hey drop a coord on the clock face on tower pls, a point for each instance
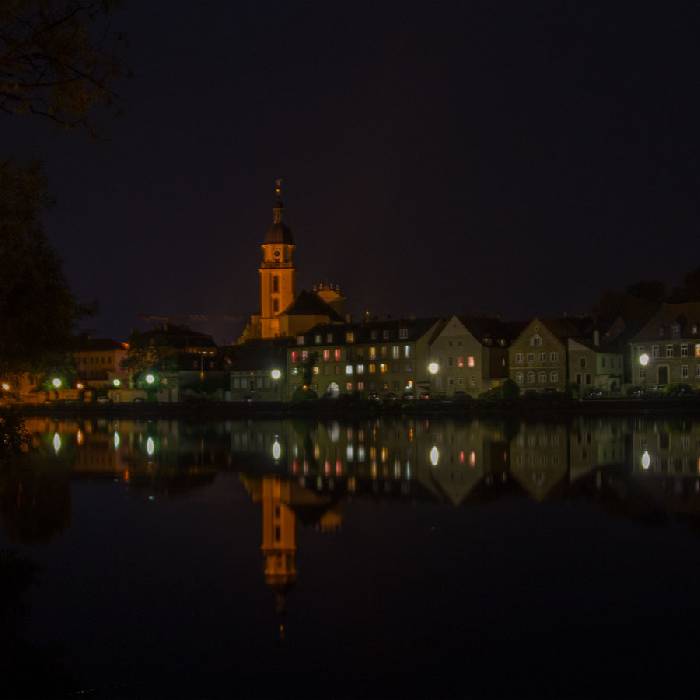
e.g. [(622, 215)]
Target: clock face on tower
[(277, 253)]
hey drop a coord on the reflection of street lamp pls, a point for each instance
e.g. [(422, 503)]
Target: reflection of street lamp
[(434, 456), (646, 460)]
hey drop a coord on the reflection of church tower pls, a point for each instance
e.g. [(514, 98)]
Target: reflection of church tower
[(279, 540), (277, 273)]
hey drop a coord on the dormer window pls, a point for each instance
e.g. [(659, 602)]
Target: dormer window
[(386, 334), (329, 338), (300, 340), (318, 338), (403, 333), (675, 330), (536, 340)]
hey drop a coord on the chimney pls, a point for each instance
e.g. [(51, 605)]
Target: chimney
[(596, 337)]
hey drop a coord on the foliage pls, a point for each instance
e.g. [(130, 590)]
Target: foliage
[(14, 438), (58, 59), (510, 390), (304, 394), (37, 308)]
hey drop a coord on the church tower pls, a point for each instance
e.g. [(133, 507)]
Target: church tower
[(277, 272)]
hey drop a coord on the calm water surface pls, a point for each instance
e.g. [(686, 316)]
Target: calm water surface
[(266, 558)]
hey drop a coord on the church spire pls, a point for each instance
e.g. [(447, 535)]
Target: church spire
[(278, 206)]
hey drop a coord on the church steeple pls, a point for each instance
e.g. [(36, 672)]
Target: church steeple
[(277, 273)]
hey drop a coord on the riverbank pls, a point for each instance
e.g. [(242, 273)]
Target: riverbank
[(221, 410)]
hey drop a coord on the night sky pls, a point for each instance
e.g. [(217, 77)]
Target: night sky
[(507, 157)]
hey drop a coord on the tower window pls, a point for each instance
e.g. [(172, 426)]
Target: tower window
[(275, 283), (275, 305)]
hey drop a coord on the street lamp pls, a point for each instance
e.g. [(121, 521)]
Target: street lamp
[(276, 374), (5, 386), (117, 382), (56, 383), (150, 379), (644, 359), (433, 368)]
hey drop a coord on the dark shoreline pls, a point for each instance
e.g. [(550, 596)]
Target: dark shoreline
[(314, 409)]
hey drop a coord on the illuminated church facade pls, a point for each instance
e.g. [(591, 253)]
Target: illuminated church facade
[(283, 312)]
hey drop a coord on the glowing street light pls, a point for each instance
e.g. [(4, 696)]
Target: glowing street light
[(117, 382), (56, 382), (276, 374), (79, 385), (5, 386), (150, 378), (644, 359), (433, 368)]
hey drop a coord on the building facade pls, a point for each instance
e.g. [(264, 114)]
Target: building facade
[(470, 356), (666, 350), (384, 357), (98, 361)]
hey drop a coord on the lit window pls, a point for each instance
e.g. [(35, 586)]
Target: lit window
[(316, 369), (348, 386), (697, 351), (304, 355), (294, 356), (300, 340), (372, 367), (350, 337), (383, 368), (326, 355), (470, 361), (684, 351), (318, 338), (329, 337), (295, 370), (360, 369), (396, 352), (407, 351), (460, 362), (403, 333), (337, 354), (372, 353), (360, 386), (348, 369)]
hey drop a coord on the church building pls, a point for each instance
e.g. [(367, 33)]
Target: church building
[(283, 312)]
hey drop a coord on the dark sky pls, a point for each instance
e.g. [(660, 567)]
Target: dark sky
[(500, 156)]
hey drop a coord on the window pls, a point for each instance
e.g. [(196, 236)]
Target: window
[(372, 367), (519, 378), (275, 283), (372, 353), (554, 377), (642, 373), (675, 330), (348, 386), (697, 350), (326, 355), (318, 338), (300, 340), (329, 337), (395, 352), (316, 369), (350, 337), (536, 340), (669, 351), (294, 356), (697, 371), (403, 333), (655, 351), (531, 357), (360, 386), (684, 351), (530, 377), (542, 377), (304, 355), (383, 368), (684, 371), (450, 362), (554, 357), (582, 363), (373, 335), (470, 361), (460, 362), (518, 358), (337, 354), (295, 371), (603, 362), (588, 379), (407, 351), (360, 369), (348, 369)]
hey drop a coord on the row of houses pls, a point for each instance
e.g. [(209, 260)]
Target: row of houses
[(471, 355), (459, 355)]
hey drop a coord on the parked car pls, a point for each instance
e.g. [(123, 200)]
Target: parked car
[(104, 399), (374, 396), (594, 394), (680, 391), (425, 396)]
